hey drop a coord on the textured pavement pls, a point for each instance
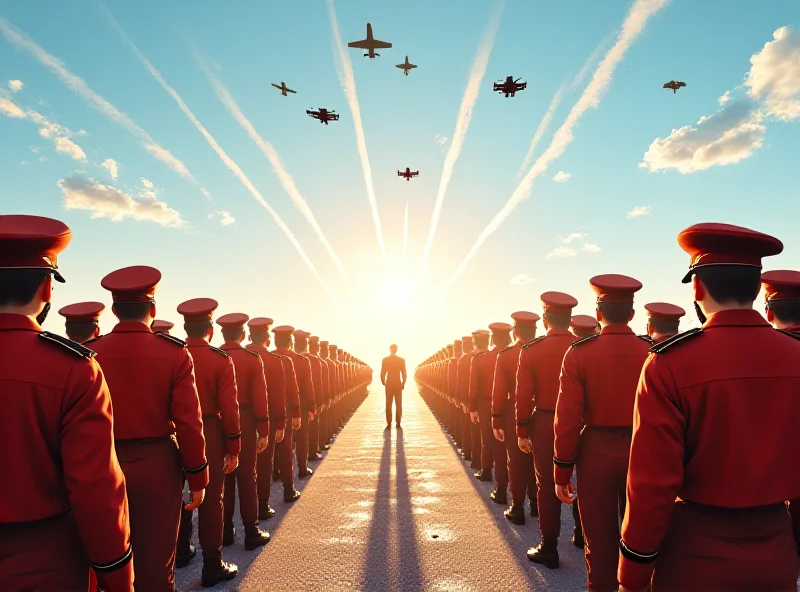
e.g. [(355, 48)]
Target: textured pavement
[(394, 510)]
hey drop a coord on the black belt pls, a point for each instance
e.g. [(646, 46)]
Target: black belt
[(210, 416), (155, 440), (15, 526), (609, 428), (765, 509), (537, 410)]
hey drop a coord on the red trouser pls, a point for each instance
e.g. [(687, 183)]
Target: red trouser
[(264, 465), (602, 471), (154, 481), (301, 444), (542, 438), (245, 476), (466, 432), (313, 436), (209, 514), (284, 457), (45, 556), (486, 434), (394, 393), (501, 470), (520, 465), (725, 550)]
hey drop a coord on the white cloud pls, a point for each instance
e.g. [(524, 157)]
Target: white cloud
[(42, 159), (9, 109), (590, 248), (562, 252), (57, 133), (34, 149), (205, 193), (571, 237), (225, 218), (112, 166), (439, 139), (66, 146), (775, 75), (562, 177), (147, 183), (15, 85), (639, 211), (521, 279), (104, 201), (732, 133), (724, 98)]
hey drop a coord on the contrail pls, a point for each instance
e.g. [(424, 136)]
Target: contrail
[(78, 85), (348, 82), (269, 151), (405, 233), (462, 124), (633, 25), (234, 168)]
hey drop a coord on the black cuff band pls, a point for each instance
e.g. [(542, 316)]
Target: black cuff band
[(233, 436), (113, 565), (564, 464), (635, 556), (196, 470)]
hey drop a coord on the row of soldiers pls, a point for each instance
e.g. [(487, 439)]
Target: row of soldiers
[(688, 438), (100, 434)]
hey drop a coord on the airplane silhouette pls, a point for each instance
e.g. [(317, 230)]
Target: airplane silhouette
[(406, 66), (323, 115), (284, 89), (674, 85), (370, 44), (510, 86), (408, 174)]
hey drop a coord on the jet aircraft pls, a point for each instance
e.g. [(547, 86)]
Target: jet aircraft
[(370, 44), (323, 115), (406, 66), (510, 86), (284, 89), (674, 85), (408, 174)]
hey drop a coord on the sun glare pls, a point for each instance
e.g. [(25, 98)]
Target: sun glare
[(395, 292)]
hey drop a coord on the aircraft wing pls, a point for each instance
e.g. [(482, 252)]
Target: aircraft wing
[(291, 91), (416, 174), (278, 86), (363, 44), (380, 44)]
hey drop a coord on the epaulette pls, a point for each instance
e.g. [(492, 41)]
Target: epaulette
[(173, 339), (660, 347), (73, 346), (646, 338), (219, 351), (535, 341), (273, 354), (481, 354), (92, 340), (512, 346), (584, 340), (250, 351), (790, 333)]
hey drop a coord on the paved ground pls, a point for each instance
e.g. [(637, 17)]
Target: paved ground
[(394, 510)]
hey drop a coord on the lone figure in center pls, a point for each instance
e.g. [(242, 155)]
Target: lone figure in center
[(393, 377)]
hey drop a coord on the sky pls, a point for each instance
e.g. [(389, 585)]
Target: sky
[(152, 130)]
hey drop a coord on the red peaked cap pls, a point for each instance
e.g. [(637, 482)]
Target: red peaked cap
[(233, 319), (583, 321), (260, 323), (33, 242), (523, 317), (158, 325), (501, 328), (132, 284), (313, 339), (781, 284), (82, 312), (480, 332), (664, 310), (710, 243), (613, 287), (300, 334), (283, 330), (197, 309), (558, 302)]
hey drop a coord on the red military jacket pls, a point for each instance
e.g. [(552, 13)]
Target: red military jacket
[(151, 379), (661, 338), (216, 389), (325, 369), (462, 380), (333, 380), (56, 444), (452, 377), (481, 375), (597, 388), (305, 384), (250, 384), (538, 373), (276, 384), (716, 423), (339, 392), (504, 385), (290, 379), (316, 378)]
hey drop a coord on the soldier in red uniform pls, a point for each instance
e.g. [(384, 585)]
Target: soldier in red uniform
[(715, 435), (537, 391), (326, 424), (276, 393), (663, 320), (470, 450), (158, 326), (312, 344), (453, 411), (82, 320), (216, 389), (285, 449), (63, 506), (341, 389), (583, 326), (520, 465), (308, 397), (151, 379), (597, 388), (481, 376), (251, 390)]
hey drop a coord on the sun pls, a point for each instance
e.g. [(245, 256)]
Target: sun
[(395, 290)]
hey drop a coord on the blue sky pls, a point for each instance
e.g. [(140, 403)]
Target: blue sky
[(250, 265)]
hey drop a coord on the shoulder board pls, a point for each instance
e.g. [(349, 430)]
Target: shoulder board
[(478, 355), (512, 346), (660, 347), (219, 351), (584, 340), (272, 354), (249, 351), (646, 338), (790, 334), (174, 340), (535, 341), (92, 340), (73, 346)]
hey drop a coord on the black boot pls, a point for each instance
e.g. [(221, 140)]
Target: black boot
[(534, 508), (184, 551), (515, 514), (228, 534), (253, 539), (290, 495), (306, 474), (499, 496), (546, 553), (577, 533), (577, 538), (217, 571), (484, 475), (265, 511)]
